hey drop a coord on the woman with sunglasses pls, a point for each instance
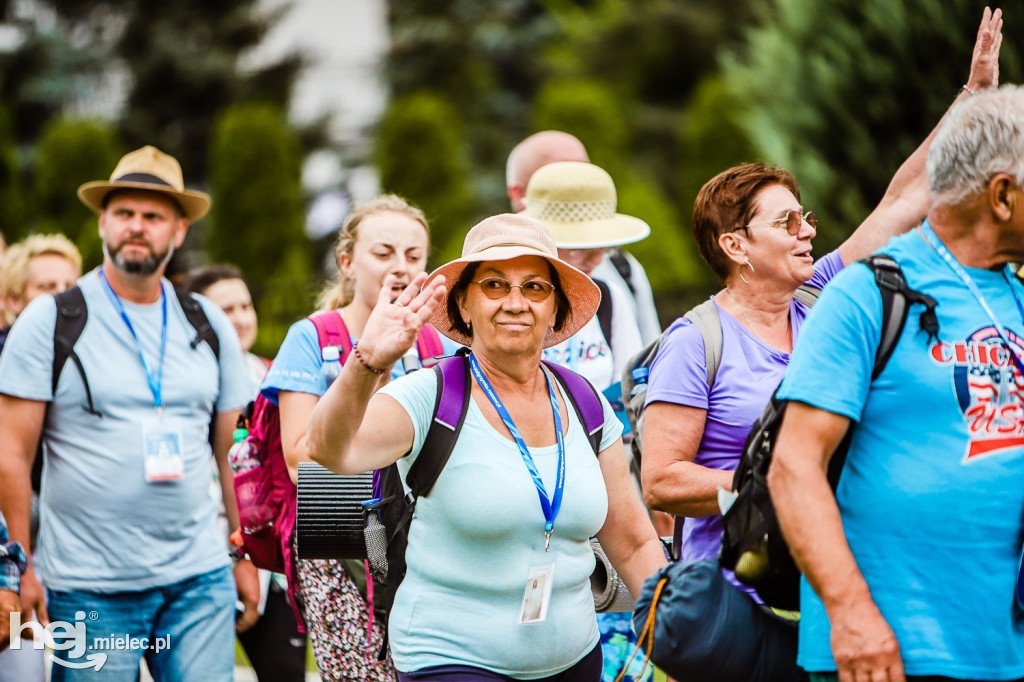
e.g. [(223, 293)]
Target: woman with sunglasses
[(509, 520), (754, 232)]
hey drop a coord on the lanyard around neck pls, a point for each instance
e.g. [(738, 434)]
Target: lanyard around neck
[(552, 506), (933, 240), (155, 381)]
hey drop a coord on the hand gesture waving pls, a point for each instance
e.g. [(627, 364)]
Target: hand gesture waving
[(985, 59), (393, 326)]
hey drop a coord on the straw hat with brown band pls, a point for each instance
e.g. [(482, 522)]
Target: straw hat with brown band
[(507, 236), (152, 170), (577, 202)]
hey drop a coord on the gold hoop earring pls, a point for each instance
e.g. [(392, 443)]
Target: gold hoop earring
[(748, 264)]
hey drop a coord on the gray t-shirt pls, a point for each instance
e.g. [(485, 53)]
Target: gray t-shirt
[(103, 527)]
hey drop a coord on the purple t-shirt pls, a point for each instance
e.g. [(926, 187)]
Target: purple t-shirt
[(748, 373)]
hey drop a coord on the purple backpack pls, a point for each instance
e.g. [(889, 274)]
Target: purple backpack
[(268, 486)]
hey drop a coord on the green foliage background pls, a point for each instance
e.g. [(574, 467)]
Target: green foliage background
[(664, 93), (257, 214)]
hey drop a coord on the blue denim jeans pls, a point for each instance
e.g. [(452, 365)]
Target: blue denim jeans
[(185, 630)]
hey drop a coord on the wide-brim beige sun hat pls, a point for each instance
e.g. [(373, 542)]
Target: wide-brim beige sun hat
[(507, 236), (577, 202), (152, 170)]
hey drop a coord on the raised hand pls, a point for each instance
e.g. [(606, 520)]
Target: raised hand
[(393, 326), (985, 59)]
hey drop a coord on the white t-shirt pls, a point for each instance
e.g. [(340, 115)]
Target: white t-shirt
[(587, 352)]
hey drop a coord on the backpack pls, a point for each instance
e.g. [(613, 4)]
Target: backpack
[(267, 490), (637, 369), (752, 542), (72, 314), (388, 514)]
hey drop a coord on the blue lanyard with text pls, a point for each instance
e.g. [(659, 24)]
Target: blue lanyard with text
[(155, 382), (954, 265), (550, 508)]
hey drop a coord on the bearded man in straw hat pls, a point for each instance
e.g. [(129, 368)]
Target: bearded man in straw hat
[(129, 548), (613, 266)]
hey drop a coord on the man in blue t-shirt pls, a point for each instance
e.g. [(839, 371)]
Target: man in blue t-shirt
[(910, 568), (129, 550)]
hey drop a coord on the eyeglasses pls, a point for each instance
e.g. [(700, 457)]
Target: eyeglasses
[(793, 220), (496, 288)]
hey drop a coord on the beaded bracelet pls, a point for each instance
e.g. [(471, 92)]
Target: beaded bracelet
[(363, 362), (968, 90)]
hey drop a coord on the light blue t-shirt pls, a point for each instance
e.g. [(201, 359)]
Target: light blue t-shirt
[(103, 528), (932, 492), (475, 537), (297, 366)]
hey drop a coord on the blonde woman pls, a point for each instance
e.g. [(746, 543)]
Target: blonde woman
[(384, 238), (40, 264)]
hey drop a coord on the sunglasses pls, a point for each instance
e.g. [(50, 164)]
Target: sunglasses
[(535, 290), (793, 220)]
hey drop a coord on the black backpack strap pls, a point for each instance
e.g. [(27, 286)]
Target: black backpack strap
[(622, 266), (72, 315), (196, 317), (604, 310), (897, 297)]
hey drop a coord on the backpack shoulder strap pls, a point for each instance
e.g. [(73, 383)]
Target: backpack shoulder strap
[(450, 407), (196, 317), (585, 400), (72, 314), (897, 297), (705, 318), (622, 266), (604, 310), (807, 294), (331, 331), (429, 346)]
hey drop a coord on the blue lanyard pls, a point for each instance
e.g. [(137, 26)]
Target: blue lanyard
[(155, 382), (954, 265), (550, 508)]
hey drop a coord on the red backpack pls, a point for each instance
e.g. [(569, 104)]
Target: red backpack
[(266, 495)]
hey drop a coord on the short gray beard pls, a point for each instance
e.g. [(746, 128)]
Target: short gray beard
[(148, 266)]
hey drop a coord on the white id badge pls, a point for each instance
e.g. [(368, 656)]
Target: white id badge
[(537, 595), (162, 450)]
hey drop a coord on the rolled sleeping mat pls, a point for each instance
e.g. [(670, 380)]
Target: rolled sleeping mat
[(610, 593), (329, 519)]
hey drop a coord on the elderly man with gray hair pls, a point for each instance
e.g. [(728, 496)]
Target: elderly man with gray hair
[(911, 567)]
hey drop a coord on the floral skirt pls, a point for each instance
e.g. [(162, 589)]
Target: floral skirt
[(337, 621)]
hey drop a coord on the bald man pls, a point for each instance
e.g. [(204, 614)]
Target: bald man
[(619, 269)]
